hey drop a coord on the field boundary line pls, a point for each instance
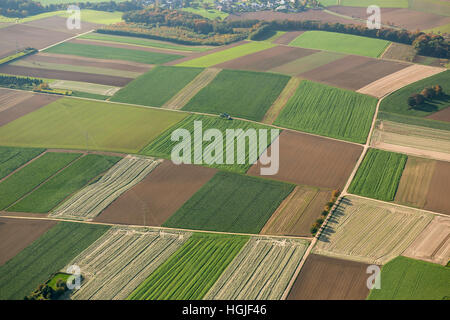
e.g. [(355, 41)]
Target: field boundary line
[(68, 39), (400, 205), (22, 166), (4, 214), (182, 97), (385, 50), (46, 180), (197, 113)]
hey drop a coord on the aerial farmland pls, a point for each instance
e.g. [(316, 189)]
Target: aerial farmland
[(222, 150)]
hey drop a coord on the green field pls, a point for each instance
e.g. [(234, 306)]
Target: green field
[(157, 86), (65, 183), (143, 42), (340, 42), (101, 52), (12, 158), (244, 94), (23, 181), (397, 101), (211, 14), (45, 256), (94, 16), (409, 279), (162, 146), (192, 270), (380, 3), (70, 123), (228, 54), (232, 203), (379, 175), (329, 111)]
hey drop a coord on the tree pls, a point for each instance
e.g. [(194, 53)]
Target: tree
[(419, 99), (428, 93), (438, 90), (411, 102)]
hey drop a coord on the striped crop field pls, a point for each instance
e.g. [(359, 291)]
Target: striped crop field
[(66, 182), (329, 111), (91, 200), (163, 145), (370, 231), (379, 175), (261, 270), (121, 259), (25, 180), (192, 270), (12, 158)]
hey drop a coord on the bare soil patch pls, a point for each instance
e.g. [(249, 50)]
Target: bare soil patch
[(65, 75), (17, 234), (433, 244), (399, 79), (20, 36), (313, 161), (400, 17), (158, 196), (324, 278), (88, 62), (353, 72), (9, 98), (301, 16), (288, 37), (415, 182), (60, 24), (438, 198), (297, 213), (443, 115), (267, 59), (32, 103)]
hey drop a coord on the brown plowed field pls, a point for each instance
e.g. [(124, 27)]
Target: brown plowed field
[(59, 24), (288, 37), (443, 115), (267, 59), (433, 244), (9, 98), (158, 196), (404, 18), (415, 182), (204, 53), (353, 72), (65, 75), (313, 161), (297, 213), (20, 36), (17, 234), (324, 278), (22, 108), (87, 62), (127, 46), (301, 16), (438, 198)]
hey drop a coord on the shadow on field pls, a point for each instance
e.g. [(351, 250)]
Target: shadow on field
[(338, 212), (432, 105)]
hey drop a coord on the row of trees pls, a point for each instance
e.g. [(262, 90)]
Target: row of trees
[(18, 82), (24, 8), (326, 211), (429, 93)]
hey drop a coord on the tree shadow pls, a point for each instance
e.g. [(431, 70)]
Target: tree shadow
[(337, 213), (432, 105)]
